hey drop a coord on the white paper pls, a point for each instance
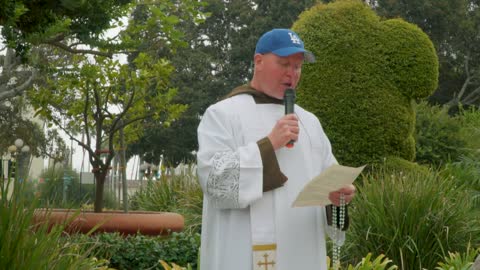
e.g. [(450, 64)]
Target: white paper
[(316, 191)]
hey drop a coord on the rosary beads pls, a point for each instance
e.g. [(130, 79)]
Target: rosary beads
[(338, 225)]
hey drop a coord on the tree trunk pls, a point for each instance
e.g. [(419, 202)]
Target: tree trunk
[(123, 171), (99, 188)]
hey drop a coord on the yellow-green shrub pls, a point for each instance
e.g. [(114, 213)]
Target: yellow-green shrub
[(367, 73)]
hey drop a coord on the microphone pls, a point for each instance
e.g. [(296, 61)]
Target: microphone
[(289, 102)]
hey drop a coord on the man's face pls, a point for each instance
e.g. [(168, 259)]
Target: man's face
[(278, 73)]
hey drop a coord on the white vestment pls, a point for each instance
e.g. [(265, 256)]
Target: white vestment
[(231, 175)]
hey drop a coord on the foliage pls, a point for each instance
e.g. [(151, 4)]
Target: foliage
[(367, 73), (412, 218), (177, 193), (25, 246), (143, 252), (438, 135), (470, 129), (453, 26), (396, 164), (32, 29), (27, 23), (174, 266), (379, 263), (50, 192), (457, 261), (465, 173)]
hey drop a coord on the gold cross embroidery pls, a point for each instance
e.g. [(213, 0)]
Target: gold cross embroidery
[(266, 263)]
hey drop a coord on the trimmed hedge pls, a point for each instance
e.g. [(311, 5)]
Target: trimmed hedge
[(368, 72), (143, 252)]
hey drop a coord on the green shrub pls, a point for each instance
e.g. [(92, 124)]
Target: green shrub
[(438, 135), (368, 72), (412, 218), (466, 174), (470, 129), (379, 263), (25, 246), (457, 261), (144, 252), (178, 193)]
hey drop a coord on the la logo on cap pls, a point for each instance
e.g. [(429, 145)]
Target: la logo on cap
[(294, 38)]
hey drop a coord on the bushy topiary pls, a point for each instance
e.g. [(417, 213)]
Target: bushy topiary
[(367, 73)]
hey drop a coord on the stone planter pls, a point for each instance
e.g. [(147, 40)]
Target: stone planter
[(143, 222)]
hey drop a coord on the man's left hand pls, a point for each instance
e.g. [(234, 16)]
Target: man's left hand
[(348, 191)]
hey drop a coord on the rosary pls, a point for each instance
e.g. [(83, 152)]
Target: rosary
[(338, 224)]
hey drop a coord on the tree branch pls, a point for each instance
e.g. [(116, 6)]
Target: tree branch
[(472, 97), (85, 119), (79, 51), (466, 83), (85, 146), (126, 123), (120, 116), (5, 92)]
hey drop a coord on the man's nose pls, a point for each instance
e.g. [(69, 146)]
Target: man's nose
[(291, 71)]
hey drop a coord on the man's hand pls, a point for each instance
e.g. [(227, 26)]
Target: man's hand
[(285, 130), (348, 191)]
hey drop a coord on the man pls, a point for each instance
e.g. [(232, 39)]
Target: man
[(250, 179)]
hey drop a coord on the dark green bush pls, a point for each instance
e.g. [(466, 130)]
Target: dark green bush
[(144, 252), (412, 218), (367, 73), (438, 135)]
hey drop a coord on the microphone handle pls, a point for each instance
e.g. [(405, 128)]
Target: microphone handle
[(289, 99)]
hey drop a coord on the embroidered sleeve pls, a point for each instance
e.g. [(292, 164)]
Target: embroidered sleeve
[(223, 180)]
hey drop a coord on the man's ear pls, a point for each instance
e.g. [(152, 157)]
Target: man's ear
[(258, 61)]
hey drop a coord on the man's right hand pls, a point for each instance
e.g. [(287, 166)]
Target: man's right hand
[(285, 130)]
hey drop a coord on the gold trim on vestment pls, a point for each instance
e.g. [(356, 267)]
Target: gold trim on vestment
[(264, 247)]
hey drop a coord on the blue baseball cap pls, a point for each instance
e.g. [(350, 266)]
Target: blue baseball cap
[(283, 42)]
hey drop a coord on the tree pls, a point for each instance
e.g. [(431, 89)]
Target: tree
[(70, 25), (97, 95), (454, 27), (101, 97)]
